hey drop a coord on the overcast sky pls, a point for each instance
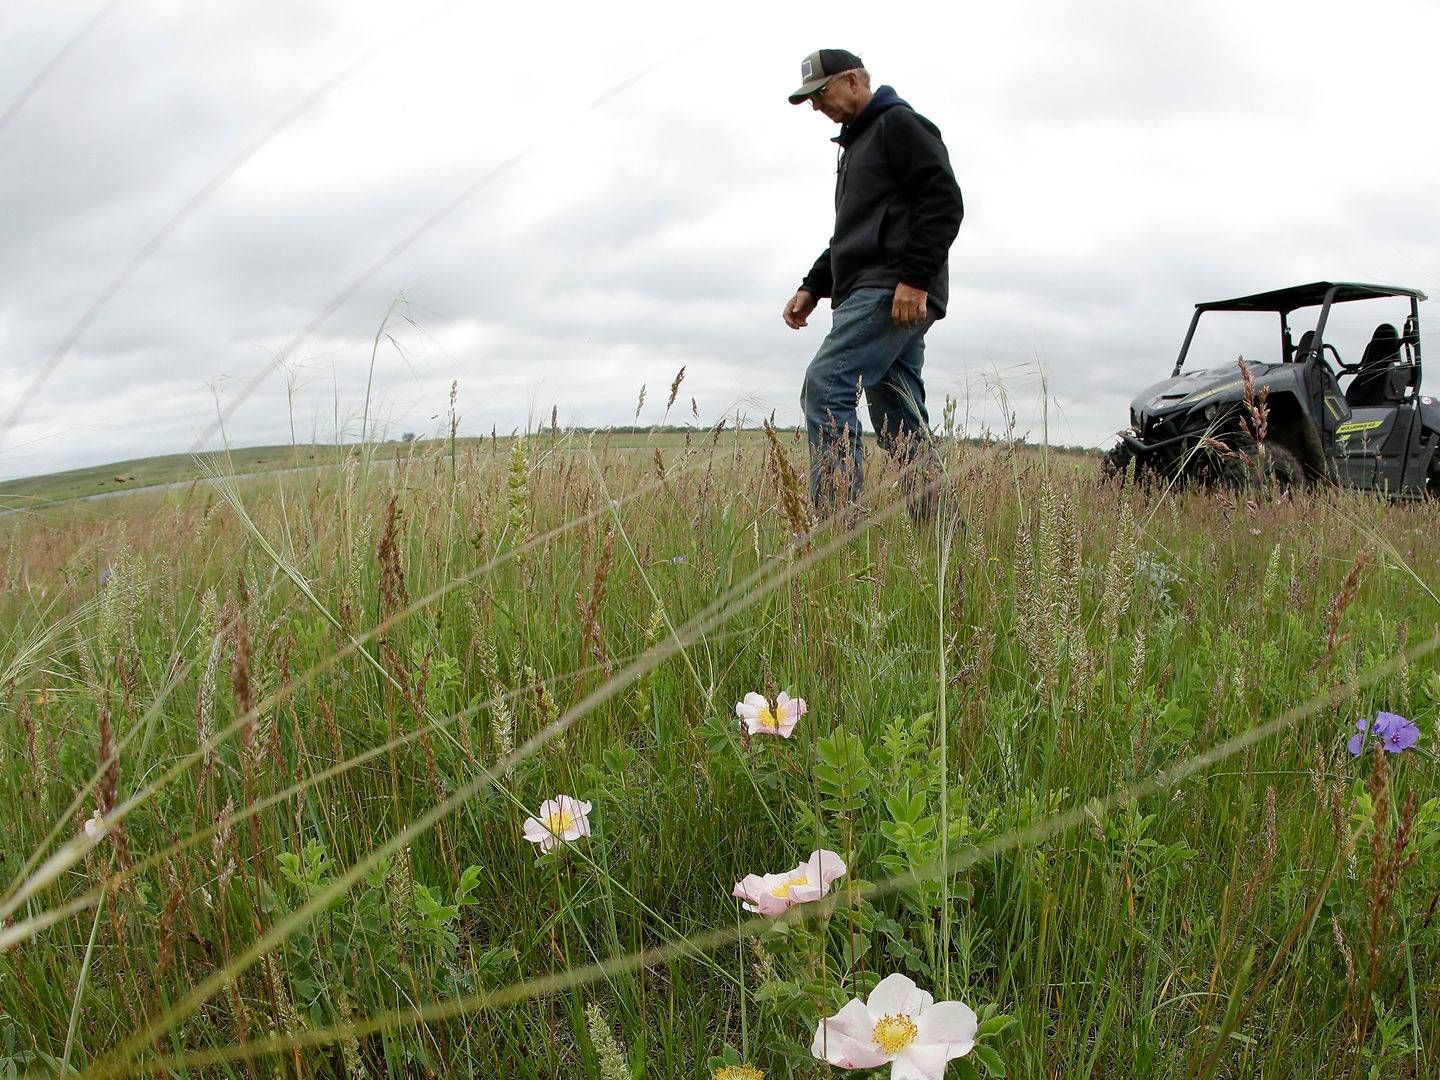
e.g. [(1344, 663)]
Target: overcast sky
[(556, 203)]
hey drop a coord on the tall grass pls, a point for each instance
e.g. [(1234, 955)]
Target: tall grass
[(1085, 758)]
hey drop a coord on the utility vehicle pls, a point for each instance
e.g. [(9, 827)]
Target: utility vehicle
[(1378, 432)]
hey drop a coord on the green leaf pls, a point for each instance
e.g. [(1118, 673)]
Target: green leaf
[(990, 1058), (469, 882), (842, 772), (995, 1025)]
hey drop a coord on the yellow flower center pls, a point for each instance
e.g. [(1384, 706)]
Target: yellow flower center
[(769, 718), (738, 1072), (782, 891), (559, 821), (894, 1033)]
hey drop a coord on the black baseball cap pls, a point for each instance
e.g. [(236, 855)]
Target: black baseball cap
[(817, 68)]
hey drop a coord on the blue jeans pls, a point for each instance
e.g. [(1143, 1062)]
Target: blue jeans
[(865, 350)]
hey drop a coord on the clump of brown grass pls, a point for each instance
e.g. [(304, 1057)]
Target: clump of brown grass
[(675, 390), (393, 594), (1343, 598), (589, 610), (794, 505), (1256, 419)]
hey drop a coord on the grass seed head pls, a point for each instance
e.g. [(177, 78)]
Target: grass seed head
[(611, 1057)]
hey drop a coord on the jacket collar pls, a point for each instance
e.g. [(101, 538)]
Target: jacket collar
[(883, 99)]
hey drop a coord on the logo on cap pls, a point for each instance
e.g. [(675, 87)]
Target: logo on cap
[(807, 70)]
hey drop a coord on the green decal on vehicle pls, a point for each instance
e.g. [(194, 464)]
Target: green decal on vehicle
[(1355, 427)]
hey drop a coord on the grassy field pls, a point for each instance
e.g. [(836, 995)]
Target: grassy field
[(121, 477), (1085, 760)]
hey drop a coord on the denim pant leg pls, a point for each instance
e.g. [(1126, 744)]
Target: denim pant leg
[(860, 350), (902, 424), (897, 402)]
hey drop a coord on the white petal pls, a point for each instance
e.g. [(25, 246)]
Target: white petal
[(768, 903), (757, 889), (548, 809), (751, 885), (845, 1039), (897, 994), (951, 1024), (919, 1062), (823, 868), (534, 830), (854, 1020), (746, 712)]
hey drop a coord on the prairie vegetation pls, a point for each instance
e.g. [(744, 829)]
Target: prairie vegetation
[(1084, 757)]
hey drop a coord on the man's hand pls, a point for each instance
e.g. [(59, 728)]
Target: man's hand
[(799, 309), (908, 310)]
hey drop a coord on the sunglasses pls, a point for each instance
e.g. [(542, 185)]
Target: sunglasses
[(820, 90)]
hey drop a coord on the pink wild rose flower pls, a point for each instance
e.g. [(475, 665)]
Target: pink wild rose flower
[(774, 894), (561, 818), (900, 1025), (759, 717)]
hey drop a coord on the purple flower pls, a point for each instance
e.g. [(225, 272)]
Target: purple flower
[(1396, 733), (1356, 745), (106, 575)]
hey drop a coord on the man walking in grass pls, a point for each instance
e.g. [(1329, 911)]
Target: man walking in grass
[(897, 211)]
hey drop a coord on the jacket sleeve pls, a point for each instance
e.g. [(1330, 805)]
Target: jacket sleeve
[(820, 281), (922, 166)]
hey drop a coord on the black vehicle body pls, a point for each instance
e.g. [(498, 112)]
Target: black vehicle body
[(1378, 433)]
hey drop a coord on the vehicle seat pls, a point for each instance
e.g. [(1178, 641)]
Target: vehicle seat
[(1302, 350), (1379, 382)]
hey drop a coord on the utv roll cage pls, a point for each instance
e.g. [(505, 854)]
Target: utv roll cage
[(1322, 294)]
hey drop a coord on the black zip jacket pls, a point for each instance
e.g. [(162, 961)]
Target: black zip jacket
[(897, 207)]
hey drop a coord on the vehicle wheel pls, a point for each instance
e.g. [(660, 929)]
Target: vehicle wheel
[(1280, 468), (1432, 477), (1115, 463)]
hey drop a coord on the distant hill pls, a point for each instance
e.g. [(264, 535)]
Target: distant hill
[(120, 476)]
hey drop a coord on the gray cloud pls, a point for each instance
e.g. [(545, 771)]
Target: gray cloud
[(1119, 164)]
